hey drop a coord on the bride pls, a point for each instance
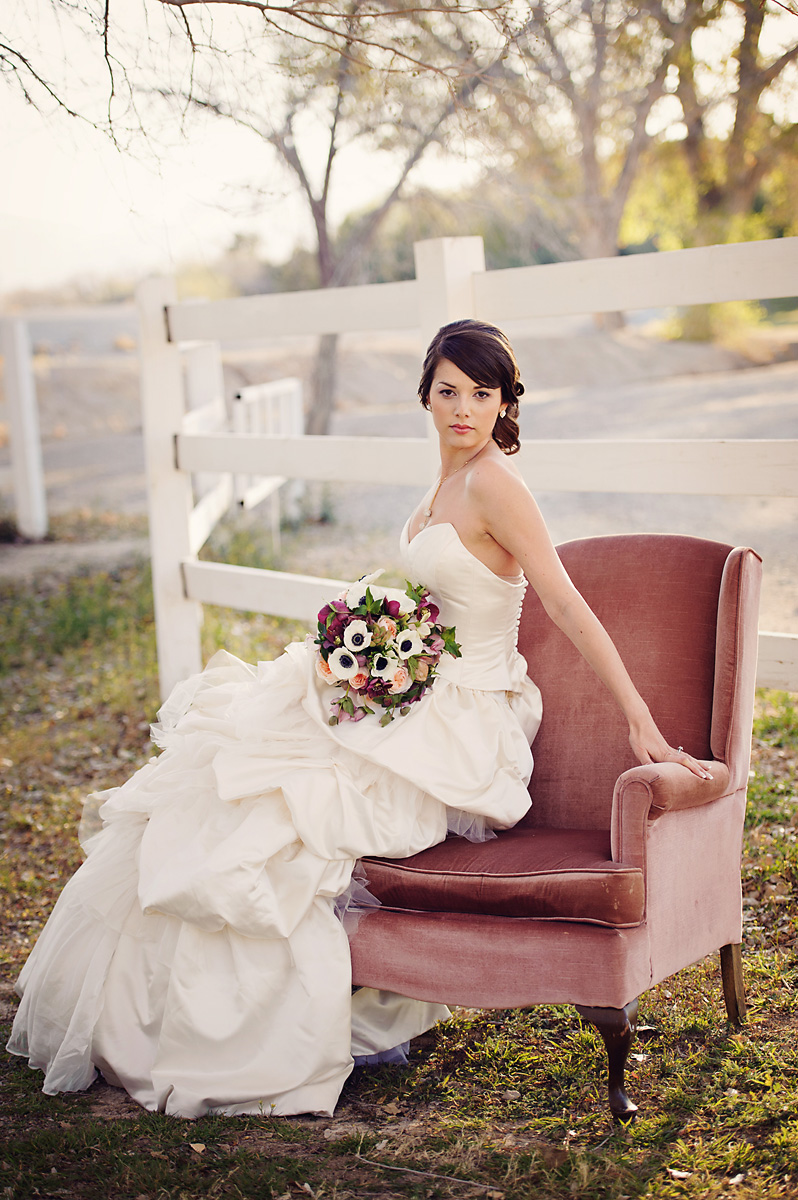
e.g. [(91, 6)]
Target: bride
[(197, 958)]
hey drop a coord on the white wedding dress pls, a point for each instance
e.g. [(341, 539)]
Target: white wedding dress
[(197, 958)]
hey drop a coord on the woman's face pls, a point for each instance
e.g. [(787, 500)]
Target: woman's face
[(463, 412)]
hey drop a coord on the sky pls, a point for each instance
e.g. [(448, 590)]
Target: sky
[(72, 205)]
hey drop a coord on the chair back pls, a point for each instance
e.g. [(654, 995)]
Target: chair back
[(658, 596)]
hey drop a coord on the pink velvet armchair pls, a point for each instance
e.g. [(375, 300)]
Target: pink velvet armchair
[(620, 874)]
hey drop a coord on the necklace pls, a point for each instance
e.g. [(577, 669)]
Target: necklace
[(428, 510)]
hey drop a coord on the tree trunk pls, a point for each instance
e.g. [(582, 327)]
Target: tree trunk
[(317, 500), (322, 386)]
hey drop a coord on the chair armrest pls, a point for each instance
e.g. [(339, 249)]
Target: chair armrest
[(647, 791)]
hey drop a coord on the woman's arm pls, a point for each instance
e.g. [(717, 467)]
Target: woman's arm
[(511, 517)]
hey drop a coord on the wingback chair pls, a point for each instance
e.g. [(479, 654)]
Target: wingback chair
[(620, 874)]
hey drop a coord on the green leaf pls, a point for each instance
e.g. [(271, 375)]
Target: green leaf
[(450, 646)]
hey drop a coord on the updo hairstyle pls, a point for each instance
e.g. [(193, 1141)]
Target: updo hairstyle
[(483, 353)]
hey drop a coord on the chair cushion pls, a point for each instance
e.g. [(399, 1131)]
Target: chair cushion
[(554, 874)]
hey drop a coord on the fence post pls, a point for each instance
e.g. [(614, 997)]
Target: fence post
[(177, 619), (204, 383), (23, 419), (445, 268)]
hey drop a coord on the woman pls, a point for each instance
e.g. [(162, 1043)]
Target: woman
[(481, 495), (197, 958)]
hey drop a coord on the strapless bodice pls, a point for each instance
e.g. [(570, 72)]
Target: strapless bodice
[(483, 607)]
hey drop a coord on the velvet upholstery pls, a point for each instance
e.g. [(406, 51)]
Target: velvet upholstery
[(498, 962), (549, 911), (565, 874), (735, 664), (657, 596)]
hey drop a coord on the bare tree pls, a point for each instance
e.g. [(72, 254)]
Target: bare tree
[(394, 114), (38, 39), (592, 85), (728, 171), (310, 79)]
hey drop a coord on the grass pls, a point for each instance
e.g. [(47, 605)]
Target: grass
[(507, 1105)]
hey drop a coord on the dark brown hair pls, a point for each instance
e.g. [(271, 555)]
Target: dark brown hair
[(483, 353)]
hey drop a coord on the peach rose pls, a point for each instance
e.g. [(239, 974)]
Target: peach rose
[(359, 681), (422, 670), (401, 681), (324, 672)]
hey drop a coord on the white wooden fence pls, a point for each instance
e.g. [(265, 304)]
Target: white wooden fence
[(25, 477), (450, 282), (27, 470)]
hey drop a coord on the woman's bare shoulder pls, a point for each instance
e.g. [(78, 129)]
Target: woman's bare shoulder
[(495, 478)]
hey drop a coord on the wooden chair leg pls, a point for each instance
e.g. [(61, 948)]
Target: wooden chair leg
[(731, 970), (617, 1028)]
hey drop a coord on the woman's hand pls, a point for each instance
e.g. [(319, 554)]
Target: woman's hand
[(650, 746)]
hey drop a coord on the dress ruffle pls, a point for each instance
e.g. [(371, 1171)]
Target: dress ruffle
[(197, 952)]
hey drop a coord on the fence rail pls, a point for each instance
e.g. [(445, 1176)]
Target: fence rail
[(451, 282), (705, 275), (666, 467), (332, 310)]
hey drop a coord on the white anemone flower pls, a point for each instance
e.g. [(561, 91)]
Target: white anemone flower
[(383, 666), (408, 643), (343, 663), (357, 636), (406, 603), (356, 594)]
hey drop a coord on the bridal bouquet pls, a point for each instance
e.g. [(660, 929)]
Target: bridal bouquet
[(379, 647)]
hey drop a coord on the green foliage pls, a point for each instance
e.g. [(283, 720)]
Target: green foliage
[(770, 866), (86, 607), (724, 323), (776, 720)]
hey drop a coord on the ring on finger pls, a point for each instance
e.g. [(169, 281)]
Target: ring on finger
[(680, 749)]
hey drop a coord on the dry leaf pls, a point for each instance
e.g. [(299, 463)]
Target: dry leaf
[(198, 1146), (674, 1174)]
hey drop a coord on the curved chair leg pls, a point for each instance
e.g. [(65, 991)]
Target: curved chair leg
[(731, 970), (617, 1028)]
